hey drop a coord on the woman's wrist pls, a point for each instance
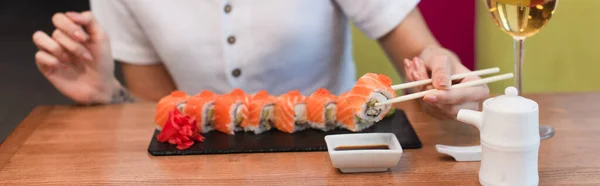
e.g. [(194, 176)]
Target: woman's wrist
[(114, 93), (121, 95), (435, 50)]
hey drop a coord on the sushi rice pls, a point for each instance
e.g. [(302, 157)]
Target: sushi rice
[(209, 114), (300, 120), (237, 115), (370, 112), (266, 118)]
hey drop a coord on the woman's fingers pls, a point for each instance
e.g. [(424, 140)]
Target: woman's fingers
[(441, 70), (460, 95), (421, 68), (457, 96), (46, 62), (75, 48), (412, 74), (421, 73), (88, 21), (63, 23), (408, 70), (44, 42)]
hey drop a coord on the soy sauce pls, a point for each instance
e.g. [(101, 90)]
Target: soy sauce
[(363, 147)]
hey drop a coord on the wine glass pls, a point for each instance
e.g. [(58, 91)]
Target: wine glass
[(521, 19)]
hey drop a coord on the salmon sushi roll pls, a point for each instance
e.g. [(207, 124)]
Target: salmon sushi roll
[(202, 107), (166, 104), (260, 112), (290, 112), (370, 89), (347, 119), (320, 110), (231, 112)]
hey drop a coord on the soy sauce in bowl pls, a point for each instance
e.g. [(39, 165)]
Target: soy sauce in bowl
[(363, 147)]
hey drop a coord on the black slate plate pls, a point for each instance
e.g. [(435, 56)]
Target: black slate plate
[(276, 141)]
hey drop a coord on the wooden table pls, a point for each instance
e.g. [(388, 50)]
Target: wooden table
[(108, 145)]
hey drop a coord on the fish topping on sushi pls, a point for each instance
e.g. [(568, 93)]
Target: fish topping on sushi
[(175, 99), (202, 107), (370, 89), (261, 112), (347, 119), (321, 108), (290, 112), (231, 112)]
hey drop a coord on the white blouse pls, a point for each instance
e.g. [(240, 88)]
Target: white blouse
[(276, 45)]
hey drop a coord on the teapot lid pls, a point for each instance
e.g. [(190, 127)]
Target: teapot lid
[(511, 102)]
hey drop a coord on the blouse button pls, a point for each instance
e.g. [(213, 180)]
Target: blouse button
[(236, 72), (231, 39), (227, 8)]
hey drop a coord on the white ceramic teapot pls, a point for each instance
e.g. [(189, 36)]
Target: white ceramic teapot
[(510, 140)]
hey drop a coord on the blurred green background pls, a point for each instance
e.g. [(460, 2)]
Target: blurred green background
[(562, 57), (370, 57)]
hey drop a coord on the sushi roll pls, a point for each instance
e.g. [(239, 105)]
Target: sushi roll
[(347, 119), (290, 112), (231, 112), (261, 111), (201, 106), (166, 104), (370, 89), (321, 110)]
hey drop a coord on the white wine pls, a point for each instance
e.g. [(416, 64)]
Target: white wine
[(521, 18)]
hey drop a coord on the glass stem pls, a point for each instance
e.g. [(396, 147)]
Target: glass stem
[(519, 53)]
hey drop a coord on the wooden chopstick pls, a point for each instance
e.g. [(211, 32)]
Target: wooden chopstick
[(460, 85), (453, 77)]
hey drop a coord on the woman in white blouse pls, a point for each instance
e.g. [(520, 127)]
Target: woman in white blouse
[(219, 45)]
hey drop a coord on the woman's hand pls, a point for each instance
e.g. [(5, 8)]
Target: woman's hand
[(77, 58), (439, 64)]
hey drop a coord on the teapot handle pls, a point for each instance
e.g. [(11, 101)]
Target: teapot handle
[(470, 153)]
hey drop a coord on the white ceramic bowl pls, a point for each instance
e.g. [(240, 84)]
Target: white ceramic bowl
[(353, 161)]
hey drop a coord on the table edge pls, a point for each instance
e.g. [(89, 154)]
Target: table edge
[(17, 137)]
